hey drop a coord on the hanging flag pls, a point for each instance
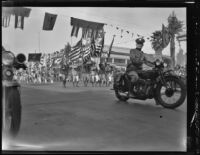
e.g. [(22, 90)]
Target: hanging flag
[(75, 30), (49, 21), (165, 36), (75, 51), (20, 13), (6, 20), (19, 21), (110, 48), (98, 44)]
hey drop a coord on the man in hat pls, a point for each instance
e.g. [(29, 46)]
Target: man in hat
[(137, 58)]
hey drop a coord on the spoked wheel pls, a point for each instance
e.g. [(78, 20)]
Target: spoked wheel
[(12, 112), (173, 95)]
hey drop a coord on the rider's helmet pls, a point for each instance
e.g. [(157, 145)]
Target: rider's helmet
[(140, 41)]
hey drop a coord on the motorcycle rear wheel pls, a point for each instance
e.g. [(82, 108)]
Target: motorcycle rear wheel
[(170, 92), (13, 111)]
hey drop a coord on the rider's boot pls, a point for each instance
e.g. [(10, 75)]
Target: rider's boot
[(130, 92)]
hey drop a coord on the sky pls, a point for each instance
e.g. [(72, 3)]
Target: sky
[(142, 21)]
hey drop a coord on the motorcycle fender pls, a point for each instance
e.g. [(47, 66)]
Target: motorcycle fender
[(166, 76), (10, 84)]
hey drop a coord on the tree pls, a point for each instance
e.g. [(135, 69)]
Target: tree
[(175, 26), (156, 42)]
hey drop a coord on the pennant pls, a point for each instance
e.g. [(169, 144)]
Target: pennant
[(165, 36), (121, 32), (19, 21), (110, 48), (49, 21), (6, 20)]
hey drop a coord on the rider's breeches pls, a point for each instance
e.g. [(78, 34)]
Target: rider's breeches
[(134, 76)]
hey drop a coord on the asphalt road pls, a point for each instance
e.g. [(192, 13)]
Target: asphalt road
[(92, 119)]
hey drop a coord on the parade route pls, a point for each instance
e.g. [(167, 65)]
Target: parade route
[(92, 119)]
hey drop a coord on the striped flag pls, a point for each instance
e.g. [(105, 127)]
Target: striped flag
[(58, 60), (87, 52), (98, 46), (75, 51)]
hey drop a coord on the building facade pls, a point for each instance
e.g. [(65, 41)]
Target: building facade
[(120, 57)]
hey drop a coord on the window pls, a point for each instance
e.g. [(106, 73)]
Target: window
[(119, 60)]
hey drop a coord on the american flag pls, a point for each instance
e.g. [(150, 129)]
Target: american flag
[(98, 47), (87, 52), (75, 52)]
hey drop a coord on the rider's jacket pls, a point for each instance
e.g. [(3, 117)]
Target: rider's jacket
[(136, 60)]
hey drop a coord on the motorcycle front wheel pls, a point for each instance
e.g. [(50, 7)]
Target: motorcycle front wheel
[(173, 96), (12, 112)]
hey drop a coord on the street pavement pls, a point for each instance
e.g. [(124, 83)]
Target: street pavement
[(92, 119)]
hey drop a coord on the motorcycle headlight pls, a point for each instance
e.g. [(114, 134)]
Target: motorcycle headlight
[(158, 62), (7, 58), (165, 64)]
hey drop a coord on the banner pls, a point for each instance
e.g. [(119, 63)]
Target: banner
[(34, 57), (49, 21)]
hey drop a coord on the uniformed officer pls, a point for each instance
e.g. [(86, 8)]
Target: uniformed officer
[(137, 58)]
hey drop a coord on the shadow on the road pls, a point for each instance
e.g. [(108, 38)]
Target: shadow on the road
[(147, 105)]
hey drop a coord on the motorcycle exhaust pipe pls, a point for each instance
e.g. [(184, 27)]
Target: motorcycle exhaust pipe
[(20, 58)]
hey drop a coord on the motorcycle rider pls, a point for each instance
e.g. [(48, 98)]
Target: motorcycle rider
[(137, 58)]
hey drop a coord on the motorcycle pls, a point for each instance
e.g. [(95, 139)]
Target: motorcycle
[(159, 84), (11, 92)]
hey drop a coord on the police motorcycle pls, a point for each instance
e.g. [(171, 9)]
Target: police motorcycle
[(11, 108), (159, 84)]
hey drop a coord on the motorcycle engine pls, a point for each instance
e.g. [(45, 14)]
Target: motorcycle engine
[(140, 87)]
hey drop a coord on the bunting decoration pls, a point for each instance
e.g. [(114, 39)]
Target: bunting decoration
[(49, 21)]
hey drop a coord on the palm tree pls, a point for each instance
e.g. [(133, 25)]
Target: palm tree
[(156, 42), (175, 26)]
